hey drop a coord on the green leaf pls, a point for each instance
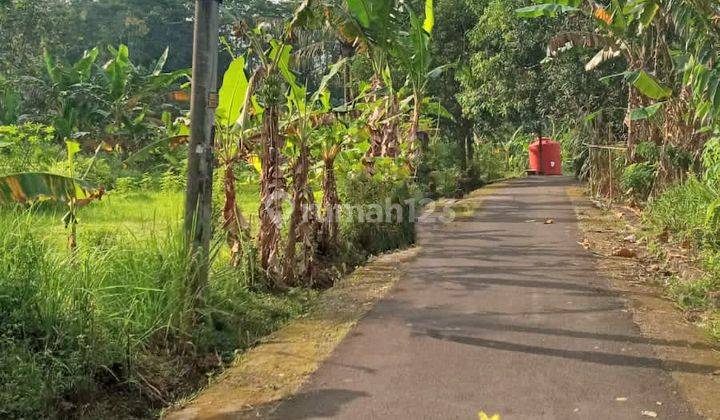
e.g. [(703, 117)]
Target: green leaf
[(619, 23), (72, 148), (649, 13), (83, 67), (439, 70), (648, 85), (638, 114), (36, 186), (546, 9), (434, 109), (160, 64), (117, 71), (360, 11), (280, 53), (334, 70), (232, 93), (53, 68)]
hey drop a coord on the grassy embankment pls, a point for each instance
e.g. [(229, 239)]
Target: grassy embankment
[(682, 218)]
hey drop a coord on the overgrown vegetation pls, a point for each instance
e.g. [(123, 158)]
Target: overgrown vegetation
[(317, 168), (369, 105)]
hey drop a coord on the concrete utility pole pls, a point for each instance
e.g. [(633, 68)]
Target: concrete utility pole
[(198, 201)]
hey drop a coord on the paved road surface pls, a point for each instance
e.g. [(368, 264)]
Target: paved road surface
[(499, 314)]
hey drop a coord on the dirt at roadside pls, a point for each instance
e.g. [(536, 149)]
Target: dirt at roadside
[(637, 275)]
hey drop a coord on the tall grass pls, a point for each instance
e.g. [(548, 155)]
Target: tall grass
[(681, 213), (111, 316)]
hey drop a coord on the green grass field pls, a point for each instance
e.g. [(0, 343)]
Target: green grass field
[(133, 215)]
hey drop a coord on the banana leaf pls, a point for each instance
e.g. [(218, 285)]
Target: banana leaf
[(37, 186)]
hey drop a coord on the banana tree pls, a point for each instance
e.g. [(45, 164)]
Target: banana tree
[(413, 53), (264, 97), (112, 101), (410, 48), (129, 92), (346, 138), (373, 27), (76, 94), (32, 187), (305, 114), (232, 147)]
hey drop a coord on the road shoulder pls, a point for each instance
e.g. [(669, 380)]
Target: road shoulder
[(606, 233)]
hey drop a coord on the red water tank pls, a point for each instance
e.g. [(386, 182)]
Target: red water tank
[(551, 157)]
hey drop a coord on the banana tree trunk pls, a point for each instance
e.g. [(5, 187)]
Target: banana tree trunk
[(298, 269), (391, 134), (375, 121), (234, 223), (329, 212), (272, 187), (640, 130), (413, 148)]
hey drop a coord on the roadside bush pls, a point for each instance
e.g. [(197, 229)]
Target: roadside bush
[(682, 210), (375, 196), (638, 179), (439, 172), (493, 162), (125, 185), (647, 151), (172, 182)]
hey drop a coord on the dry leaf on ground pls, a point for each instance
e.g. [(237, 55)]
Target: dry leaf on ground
[(624, 252)]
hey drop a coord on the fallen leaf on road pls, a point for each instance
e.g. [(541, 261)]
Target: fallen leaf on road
[(484, 416), (549, 221), (648, 413), (624, 253)]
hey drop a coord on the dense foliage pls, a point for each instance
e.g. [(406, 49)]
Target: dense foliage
[(370, 104)]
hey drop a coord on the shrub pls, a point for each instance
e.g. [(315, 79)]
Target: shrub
[(446, 182), (125, 185), (362, 238), (711, 161), (647, 151), (28, 147), (638, 179), (172, 182)]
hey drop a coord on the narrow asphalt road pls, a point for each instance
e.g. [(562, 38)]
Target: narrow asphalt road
[(500, 313)]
